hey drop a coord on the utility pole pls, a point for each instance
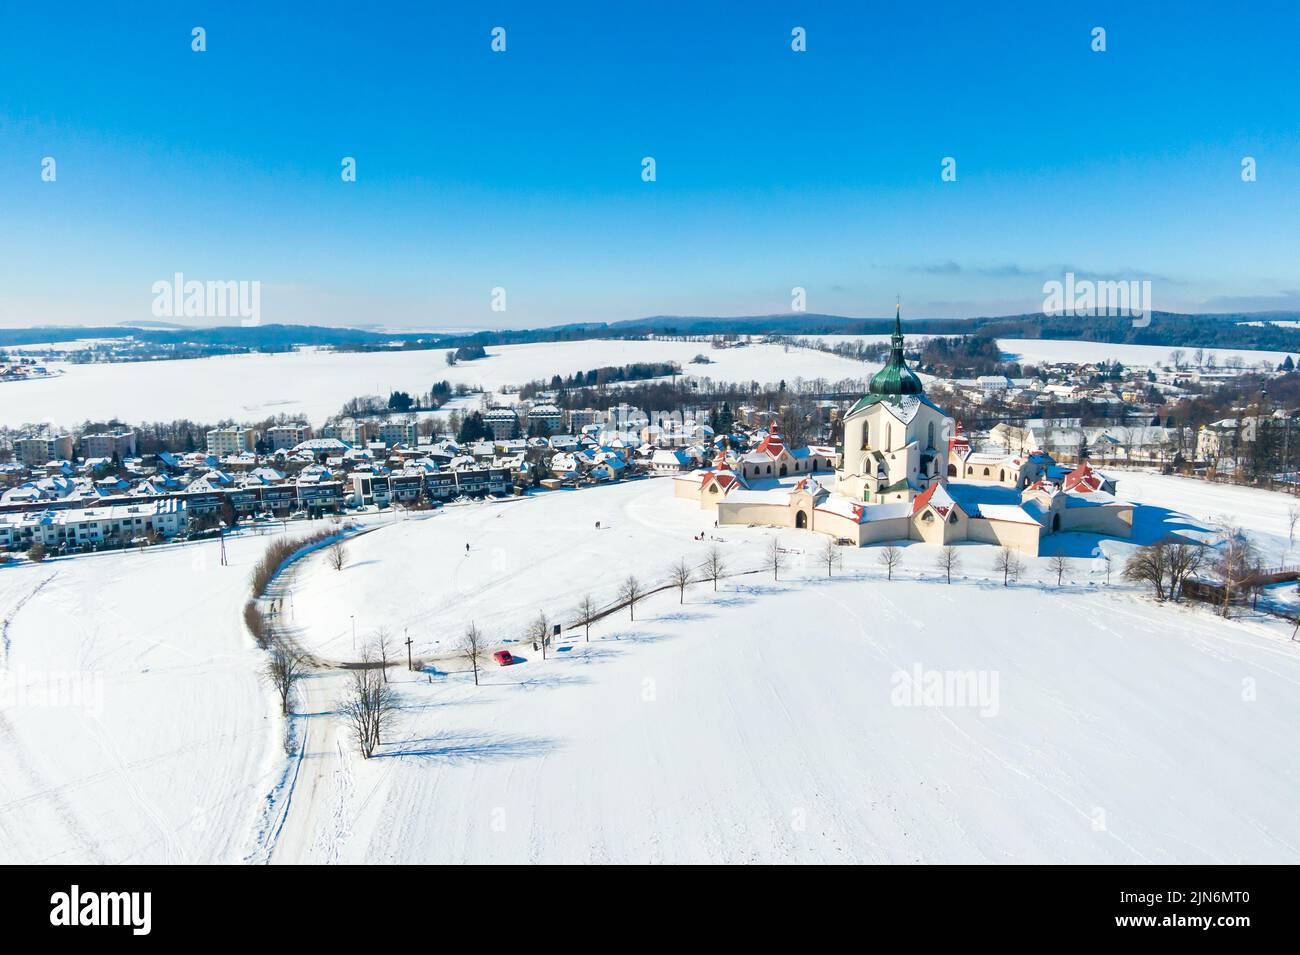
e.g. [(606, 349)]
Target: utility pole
[(354, 633), (221, 534), (410, 665)]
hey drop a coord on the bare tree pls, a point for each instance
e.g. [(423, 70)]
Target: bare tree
[(631, 592), (1058, 564), (369, 706), (1292, 518), (830, 556), (1183, 561), (539, 632), (1149, 565), (890, 557), (949, 560), (473, 647), (775, 557), (1234, 564), (337, 555), (283, 669), (587, 614), (1010, 565), (713, 566), (681, 576), (383, 643)]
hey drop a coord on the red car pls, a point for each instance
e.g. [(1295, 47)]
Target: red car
[(503, 657)]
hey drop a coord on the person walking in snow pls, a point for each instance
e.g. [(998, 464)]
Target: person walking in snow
[(467, 548)]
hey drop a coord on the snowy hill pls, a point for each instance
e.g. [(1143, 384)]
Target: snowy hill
[(804, 719)]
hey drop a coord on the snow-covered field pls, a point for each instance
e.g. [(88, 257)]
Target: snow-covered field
[(1035, 350), (1032, 350), (772, 721), (314, 384), (133, 727), (769, 724), (764, 723)]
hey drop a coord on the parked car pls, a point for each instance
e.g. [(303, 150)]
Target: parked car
[(503, 657)]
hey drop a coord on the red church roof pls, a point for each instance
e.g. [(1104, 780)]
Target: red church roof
[(937, 497), (1083, 478), (772, 444)]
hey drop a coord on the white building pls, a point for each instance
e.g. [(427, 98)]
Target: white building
[(37, 450), (282, 437), (398, 432), (502, 421), (76, 527), (225, 441)]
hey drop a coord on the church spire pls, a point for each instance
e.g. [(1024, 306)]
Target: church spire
[(896, 378)]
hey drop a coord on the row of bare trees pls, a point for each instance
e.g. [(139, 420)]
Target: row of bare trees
[(1235, 566), (1164, 567)]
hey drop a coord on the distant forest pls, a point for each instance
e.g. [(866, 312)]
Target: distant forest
[(1165, 329)]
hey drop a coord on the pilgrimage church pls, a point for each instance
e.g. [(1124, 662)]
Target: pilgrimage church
[(906, 473)]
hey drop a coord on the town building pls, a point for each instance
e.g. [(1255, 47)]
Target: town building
[(393, 433), (35, 450), (503, 423), (545, 416), (113, 444), (92, 526), (233, 440), (283, 437)]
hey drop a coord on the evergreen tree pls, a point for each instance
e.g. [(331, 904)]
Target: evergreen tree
[(473, 428)]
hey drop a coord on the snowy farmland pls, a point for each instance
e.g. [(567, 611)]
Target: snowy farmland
[(1029, 351), (314, 384), (773, 721)]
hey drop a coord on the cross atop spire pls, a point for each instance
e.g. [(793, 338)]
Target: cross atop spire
[(896, 378)]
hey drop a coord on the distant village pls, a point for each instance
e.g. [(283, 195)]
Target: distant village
[(68, 492)]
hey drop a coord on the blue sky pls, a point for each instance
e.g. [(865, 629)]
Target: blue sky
[(522, 169)]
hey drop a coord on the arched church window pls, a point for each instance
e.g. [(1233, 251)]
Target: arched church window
[(986, 472), (866, 435), (930, 434)]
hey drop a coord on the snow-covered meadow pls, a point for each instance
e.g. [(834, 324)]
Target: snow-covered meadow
[(133, 725), (775, 723), (771, 721), (1037, 350), (314, 384), (765, 723), (1029, 351)]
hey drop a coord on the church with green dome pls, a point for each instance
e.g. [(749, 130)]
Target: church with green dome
[(895, 438), (900, 453)]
